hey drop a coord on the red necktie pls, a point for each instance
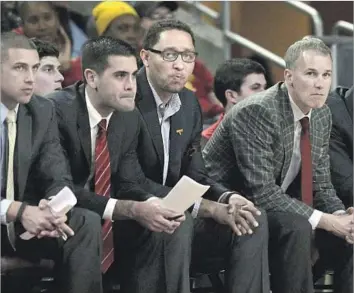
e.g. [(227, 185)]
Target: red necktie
[(306, 163), (103, 187)]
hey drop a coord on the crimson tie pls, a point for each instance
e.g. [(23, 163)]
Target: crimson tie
[(306, 163), (103, 187)]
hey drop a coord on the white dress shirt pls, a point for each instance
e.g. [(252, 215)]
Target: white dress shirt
[(94, 119), (5, 203), (295, 162)]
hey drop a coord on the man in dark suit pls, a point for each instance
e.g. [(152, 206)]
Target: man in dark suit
[(33, 170), (169, 147), (274, 148), (108, 94), (341, 143)]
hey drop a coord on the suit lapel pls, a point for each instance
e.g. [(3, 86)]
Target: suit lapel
[(147, 107), (83, 123), (287, 129), (24, 148), (115, 137), (176, 137)]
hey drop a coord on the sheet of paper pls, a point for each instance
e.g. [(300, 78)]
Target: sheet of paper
[(184, 194), (63, 202)]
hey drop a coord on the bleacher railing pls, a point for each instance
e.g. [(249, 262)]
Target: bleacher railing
[(231, 37)]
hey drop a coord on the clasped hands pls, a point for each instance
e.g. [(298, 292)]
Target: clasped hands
[(239, 214), (343, 225), (41, 221)]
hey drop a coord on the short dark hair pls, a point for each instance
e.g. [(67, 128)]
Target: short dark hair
[(231, 74), (45, 49), (153, 34), (12, 40), (95, 52)]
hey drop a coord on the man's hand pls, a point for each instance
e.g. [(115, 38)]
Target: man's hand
[(339, 225), (350, 238), (229, 215), (40, 221), (247, 211), (154, 216)]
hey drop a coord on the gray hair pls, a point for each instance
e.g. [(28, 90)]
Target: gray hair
[(308, 43)]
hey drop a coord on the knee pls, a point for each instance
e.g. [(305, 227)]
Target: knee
[(262, 228), (89, 222), (290, 224), (182, 236)]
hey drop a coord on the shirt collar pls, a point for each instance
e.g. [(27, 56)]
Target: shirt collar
[(4, 110), (298, 114), (94, 116)]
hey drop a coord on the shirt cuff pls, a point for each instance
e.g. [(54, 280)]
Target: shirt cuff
[(150, 198), (339, 212), (196, 208), (222, 197), (108, 211), (4, 206), (315, 218)]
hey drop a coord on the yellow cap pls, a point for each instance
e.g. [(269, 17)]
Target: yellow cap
[(105, 12)]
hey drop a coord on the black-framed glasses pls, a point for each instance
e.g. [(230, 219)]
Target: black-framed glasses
[(170, 55)]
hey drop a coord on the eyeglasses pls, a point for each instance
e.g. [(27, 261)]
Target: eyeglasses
[(172, 55)]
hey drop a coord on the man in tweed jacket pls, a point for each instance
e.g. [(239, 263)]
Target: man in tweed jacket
[(256, 150)]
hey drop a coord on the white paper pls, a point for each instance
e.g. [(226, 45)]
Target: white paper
[(184, 194), (63, 202)]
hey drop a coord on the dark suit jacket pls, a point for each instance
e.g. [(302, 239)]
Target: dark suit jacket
[(40, 170), (185, 156), (341, 143), (75, 139), (252, 148)]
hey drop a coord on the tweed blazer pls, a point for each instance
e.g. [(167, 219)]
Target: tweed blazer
[(252, 148)]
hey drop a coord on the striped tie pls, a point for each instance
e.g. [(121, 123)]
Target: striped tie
[(103, 187)]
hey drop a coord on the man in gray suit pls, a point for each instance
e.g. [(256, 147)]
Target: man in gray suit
[(34, 169), (274, 148)]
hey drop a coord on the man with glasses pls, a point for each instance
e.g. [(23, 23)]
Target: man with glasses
[(221, 234), (201, 79)]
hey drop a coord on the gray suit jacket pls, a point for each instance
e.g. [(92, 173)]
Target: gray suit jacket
[(40, 168), (252, 148)]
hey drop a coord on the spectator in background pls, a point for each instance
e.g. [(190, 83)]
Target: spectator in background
[(74, 24), (268, 72), (201, 80), (118, 20), (152, 11), (341, 143), (9, 16), (48, 77), (235, 80), (40, 20)]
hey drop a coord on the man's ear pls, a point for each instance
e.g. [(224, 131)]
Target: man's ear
[(91, 78), (288, 76), (231, 96), (144, 55)]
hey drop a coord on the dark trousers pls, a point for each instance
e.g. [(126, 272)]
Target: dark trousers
[(245, 258), (77, 260), (336, 255), (160, 263), (290, 241)]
